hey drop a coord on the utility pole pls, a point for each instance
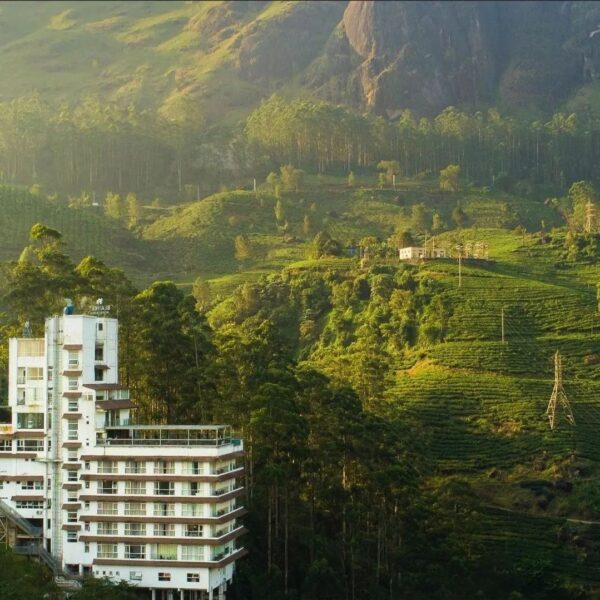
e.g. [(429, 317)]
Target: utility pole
[(502, 314), (589, 216), (254, 185), (460, 249), (559, 395), (394, 180)]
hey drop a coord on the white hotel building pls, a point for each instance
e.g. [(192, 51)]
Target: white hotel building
[(93, 493)]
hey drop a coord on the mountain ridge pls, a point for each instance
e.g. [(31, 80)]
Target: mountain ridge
[(376, 56)]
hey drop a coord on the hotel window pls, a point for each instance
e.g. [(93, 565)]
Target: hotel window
[(108, 508), (164, 530), (135, 551), (192, 552), (163, 509), (135, 575), (135, 508), (32, 485), (50, 373), (164, 488), (193, 577), (73, 405), (21, 375), (72, 430), (73, 384), (99, 353), (192, 530), (107, 529), (98, 374), (135, 529), (73, 359), (193, 468), (107, 550), (72, 476), (71, 537), (72, 455), (164, 468), (30, 445), (35, 373), (135, 487), (30, 420), (21, 397), (107, 466), (71, 496), (33, 504), (135, 467), (86, 547), (220, 551), (164, 551), (223, 468), (192, 510), (191, 488), (107, 487), (164, 576), (72, 516), (5, 445)]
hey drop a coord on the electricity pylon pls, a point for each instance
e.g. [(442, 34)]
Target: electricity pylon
[(559, 395)]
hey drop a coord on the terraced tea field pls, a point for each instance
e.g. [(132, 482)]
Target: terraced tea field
[(482, 404)]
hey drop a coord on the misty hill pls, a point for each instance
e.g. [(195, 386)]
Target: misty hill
[(381, 56)]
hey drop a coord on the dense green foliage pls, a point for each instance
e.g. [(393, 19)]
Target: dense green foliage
[(390, 433), (133, 149)]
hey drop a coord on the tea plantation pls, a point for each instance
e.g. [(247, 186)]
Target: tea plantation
[(531, 495)]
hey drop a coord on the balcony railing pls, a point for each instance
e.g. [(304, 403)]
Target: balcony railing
[(168, 435)]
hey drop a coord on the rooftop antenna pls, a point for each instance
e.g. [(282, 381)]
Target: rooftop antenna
[(559, 395)]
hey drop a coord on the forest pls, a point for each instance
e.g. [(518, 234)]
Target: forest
[(349, 493), (94, 147)]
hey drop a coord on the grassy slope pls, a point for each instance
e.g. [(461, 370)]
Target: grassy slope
[(484, 402), (85, 231), (201, 235), (198, 238), (151, 52)]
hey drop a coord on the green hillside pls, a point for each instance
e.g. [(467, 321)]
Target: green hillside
[(524, 494), (86, 232), (229, 55), (200, 236), (144, 52)]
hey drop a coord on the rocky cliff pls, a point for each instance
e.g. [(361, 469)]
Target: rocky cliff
[(382, 56)]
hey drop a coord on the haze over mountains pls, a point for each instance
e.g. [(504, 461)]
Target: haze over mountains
[(381, 56)]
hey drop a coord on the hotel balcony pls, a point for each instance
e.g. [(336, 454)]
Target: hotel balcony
[(168, 435)]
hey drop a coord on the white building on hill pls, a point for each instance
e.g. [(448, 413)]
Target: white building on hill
[(420, 253), (91, 492)]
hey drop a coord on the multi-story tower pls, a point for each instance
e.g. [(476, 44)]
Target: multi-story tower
[(156, 506)]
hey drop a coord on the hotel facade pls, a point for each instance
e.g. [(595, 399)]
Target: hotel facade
[(93, 492)]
